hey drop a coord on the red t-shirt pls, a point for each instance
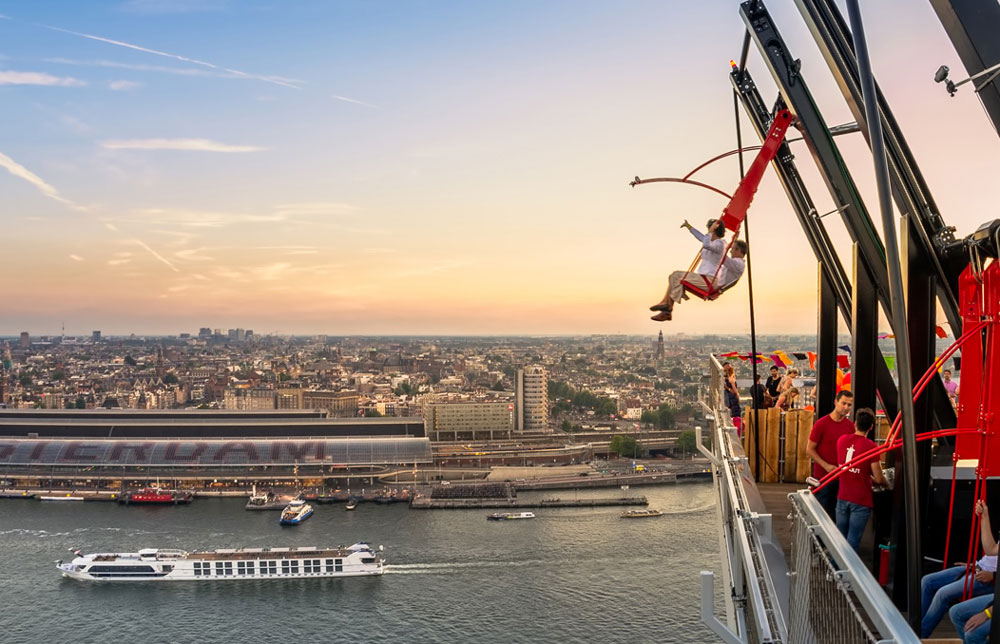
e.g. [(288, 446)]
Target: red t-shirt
[(825, 433), (855, 482)]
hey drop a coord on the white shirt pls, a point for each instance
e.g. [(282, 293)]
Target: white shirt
[(712, 252), (732, 269), (988, 563)]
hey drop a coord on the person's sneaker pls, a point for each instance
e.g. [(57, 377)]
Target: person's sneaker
[(662, 316)]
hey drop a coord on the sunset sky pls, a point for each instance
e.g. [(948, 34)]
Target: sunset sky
[(424, 167)]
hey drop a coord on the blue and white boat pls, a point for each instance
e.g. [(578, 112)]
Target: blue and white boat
[(295, 513)]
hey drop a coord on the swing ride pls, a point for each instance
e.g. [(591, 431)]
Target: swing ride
[(946, 459)]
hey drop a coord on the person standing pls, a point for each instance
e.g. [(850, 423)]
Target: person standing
[(950, 386), (822, 447), (854, 496), (758, 393), (771, 384), (732, 395)]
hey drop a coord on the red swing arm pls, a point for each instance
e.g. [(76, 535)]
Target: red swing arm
[(736, 210)]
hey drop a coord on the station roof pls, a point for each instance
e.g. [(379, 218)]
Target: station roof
[(215, 453)]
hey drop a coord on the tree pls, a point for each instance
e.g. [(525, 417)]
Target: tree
[(372, 413), (170, 379), (665, 417), (625, 446), (677, 373), (649, 417), (130, 361), (686, 441), (58, 374), (566, 426), (81, 403)]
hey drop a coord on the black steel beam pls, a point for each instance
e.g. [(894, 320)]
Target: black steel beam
[(929, 234), (864, 327), (973, 26), (826, 349)]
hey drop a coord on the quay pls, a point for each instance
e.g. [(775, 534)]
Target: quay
[(428, 503)]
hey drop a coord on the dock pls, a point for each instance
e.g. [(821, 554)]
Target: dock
[(427, 503)]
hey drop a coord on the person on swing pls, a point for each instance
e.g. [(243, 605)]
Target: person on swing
[(713, 250)]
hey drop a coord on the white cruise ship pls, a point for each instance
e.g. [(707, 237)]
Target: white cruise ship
[(151, 564)]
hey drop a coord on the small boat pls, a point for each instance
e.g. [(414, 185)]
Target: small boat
[(510, 516), (295, 513), (641, 514), (68, 497), (265, 500), (156, 496), (352, 503)]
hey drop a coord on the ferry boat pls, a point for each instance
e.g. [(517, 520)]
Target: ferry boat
[(510, 516), (151, 564), (157, 496), (295, 513), (641, 514)]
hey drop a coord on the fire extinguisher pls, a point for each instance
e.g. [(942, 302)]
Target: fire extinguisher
[(883, 562)]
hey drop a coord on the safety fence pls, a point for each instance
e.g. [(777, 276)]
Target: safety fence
[(828, 595)]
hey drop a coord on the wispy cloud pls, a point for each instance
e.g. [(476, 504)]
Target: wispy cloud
[(8, 77), (155, 254), (76, 258), (169, 217), (197, 145), (123, 85), (354, 100), (275, 80), (21, 172)]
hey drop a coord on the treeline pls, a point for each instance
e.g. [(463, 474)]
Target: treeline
[(665, 417), (568, 399)]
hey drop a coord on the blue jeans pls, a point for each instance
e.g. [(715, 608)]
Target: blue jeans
[(939, 590), (851, 521), (827, 497), (960, 614)]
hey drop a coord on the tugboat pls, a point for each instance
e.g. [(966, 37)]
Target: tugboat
[(641, 514), (156, 496), (295, 513)]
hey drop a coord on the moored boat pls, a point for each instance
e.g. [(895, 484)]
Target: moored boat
[(153, 564), (352, 503), (67, 497), (265, 500), (641, 514), (156, 496), (295, 513)]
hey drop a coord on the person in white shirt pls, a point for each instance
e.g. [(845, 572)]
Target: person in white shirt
[(713, 249)]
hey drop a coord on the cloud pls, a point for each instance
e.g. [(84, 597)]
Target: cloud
[(76, 258), (215, 219), (8, 77), (120, 261), (355, 101), (21, 172), (158, 256), (198, 145), (314, 208), (122, 85), (275, 80)]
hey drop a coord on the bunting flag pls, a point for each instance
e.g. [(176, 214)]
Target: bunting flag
[(731, 354), (890, 361), (799, 355), (783, 360), (843, 362), (784, 356), (840, 379), (883, 336), (958, 363), (845, 347), (812, 359), (778, 360), (940, 332)]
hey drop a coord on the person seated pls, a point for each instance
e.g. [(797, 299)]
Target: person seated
[(973, 619), (939, 590), (709, 274)]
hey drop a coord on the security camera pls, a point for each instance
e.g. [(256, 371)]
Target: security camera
[(941, 74)]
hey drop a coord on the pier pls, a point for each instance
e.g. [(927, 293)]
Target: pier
[(428, 503)]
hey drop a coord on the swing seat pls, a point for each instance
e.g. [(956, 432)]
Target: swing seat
[(707, 294)]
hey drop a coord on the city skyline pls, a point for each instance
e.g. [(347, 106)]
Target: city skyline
[(417, 169)]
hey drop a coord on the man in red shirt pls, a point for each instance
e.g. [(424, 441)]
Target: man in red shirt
[(854, 498), (822, 447)]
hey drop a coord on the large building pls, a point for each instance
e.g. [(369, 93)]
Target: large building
[(532, 400), (338, 403), (468, 420)]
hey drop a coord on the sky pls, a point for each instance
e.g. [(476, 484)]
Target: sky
[(420, 167)]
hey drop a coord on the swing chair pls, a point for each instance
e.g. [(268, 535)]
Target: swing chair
[(736, 210)]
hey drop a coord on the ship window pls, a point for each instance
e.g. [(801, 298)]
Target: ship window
[(229, 567), (295, 566), (368, 560), (307, 566), (270, 568), (218, 567), (197, 569), (241, 568), (340, 565), (249, 567), (123, 571), (329, 565)]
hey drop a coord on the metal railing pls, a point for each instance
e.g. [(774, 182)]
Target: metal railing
[(828, 596)]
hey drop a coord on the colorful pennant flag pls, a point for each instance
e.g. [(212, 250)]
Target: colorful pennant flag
[(843, 362), (940, 332), (812, 359), (845, 347), (890, 361), (799, 355)]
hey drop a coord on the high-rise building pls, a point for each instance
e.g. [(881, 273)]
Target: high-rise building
[(25, 340), (532, 400), (205, 332), (95, 336)]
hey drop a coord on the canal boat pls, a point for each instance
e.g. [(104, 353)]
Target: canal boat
[(151, 564), (295, 513), (641, 514), (156, 496), (510, 516)]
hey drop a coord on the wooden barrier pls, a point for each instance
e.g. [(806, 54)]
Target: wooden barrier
[(794, 427), (791, 450)]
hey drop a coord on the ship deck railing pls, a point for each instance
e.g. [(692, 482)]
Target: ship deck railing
[(823, 592)]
